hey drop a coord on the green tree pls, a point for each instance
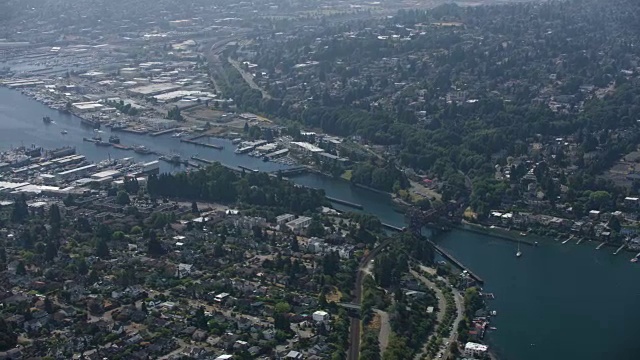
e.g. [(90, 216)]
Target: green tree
[(54, 216), (48, 305), (51, 251), (102, 249), (123, 198), (315, 228), (614, 224), (154, 247), (83, 268), (8, 338), (20, 210), (21, 269)]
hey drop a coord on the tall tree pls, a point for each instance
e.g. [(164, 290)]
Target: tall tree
[(20, 210), (21, 269), (102, 249)]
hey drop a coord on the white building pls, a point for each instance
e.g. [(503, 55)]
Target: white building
[(321, 316), (299, 223), (294, 355), (221, 297), (474, 349), (284, 218), (307, 148)]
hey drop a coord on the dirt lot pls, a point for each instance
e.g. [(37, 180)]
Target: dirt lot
[(203, 113)]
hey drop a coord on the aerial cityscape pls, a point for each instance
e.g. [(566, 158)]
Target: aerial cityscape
[(319, 179)]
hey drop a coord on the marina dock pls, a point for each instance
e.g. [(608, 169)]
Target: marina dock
[(197, 143), (132, 131), (162, 132), (569, 239), (247, 168), (198, 137), (619, 249), (344, 202), (293, 171), (601, 245)]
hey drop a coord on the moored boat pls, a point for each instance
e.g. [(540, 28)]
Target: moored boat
[(141, 149)]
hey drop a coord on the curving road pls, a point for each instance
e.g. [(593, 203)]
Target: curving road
[(459, 302)]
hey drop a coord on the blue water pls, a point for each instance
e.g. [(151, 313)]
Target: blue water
[(556, 301)]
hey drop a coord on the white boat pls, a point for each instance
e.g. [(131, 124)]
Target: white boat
[(177, 135), (519, 253), (63, 132)]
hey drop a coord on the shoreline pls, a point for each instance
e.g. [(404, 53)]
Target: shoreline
[(499, 233)]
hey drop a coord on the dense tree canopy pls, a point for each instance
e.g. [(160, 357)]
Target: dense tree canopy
[(217, 183)]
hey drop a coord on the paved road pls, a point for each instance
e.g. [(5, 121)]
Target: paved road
[(459, 301), (248, 78), (460, 310)]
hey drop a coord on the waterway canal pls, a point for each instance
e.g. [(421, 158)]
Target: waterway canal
[(556, 302)]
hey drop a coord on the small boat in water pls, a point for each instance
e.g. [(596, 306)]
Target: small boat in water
[(64, 132), (46, 120), (142, 150), (102, 143), (518, 253), (114, 139)]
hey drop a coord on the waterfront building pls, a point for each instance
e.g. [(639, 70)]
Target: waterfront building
[(474, 349), (307, 148)]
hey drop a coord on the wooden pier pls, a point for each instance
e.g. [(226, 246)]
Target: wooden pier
[(601, 245)]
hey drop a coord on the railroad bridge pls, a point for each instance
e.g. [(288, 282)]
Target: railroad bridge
[(441, 217)]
